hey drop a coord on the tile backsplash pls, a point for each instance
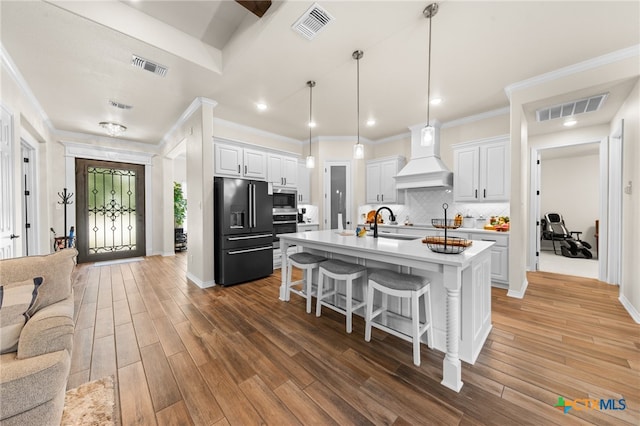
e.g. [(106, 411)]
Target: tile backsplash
[(422, 205)]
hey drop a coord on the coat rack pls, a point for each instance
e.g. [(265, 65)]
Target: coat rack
[(66, 200)]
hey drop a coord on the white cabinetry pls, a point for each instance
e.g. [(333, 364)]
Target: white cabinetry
[(306, 227), (499, 254), (304, 184), (231, 160), (481, 170), (283, 170), (380, 182)]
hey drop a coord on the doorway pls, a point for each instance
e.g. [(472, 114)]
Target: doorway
[(609, 161), (7, 235), (337, 195), (110, 210)]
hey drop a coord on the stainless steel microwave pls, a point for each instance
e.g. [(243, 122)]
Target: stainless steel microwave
[(285, 200)]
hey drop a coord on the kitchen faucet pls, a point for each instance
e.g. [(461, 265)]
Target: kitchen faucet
[(392, 218)]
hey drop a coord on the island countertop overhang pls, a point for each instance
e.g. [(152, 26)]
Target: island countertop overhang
[(368, 246)]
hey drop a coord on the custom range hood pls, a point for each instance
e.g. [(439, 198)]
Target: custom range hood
[(425, 169)]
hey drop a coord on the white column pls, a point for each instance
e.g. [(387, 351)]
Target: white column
[(451, 367), (284, 248)]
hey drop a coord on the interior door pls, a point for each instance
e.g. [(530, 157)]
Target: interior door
[(337, 188), (110, 210), (7, 236)]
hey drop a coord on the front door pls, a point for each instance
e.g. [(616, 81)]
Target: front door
[(110, 210)]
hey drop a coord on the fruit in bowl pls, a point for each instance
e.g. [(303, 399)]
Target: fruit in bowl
[(503, 227)]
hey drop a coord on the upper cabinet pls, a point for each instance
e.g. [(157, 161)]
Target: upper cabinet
[(481, 170), (235, 161), (283, 170), (380, 182), (304, 183)]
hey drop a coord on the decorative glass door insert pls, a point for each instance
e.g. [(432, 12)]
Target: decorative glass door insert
[(110, 210)]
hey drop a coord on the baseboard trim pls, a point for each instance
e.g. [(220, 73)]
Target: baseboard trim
[(197, 281), (519, 294), (635, 315)]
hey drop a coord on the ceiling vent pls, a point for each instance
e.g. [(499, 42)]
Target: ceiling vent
[(119, 105), (146, 64), (312, 21), (573, 108)]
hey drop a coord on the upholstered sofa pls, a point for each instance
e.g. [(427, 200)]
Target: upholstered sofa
[(34, 373)]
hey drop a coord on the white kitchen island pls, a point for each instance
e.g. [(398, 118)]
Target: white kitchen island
[(460, 286)]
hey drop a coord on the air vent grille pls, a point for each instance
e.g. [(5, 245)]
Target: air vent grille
[(312, 21), (119, 105), (573, 108), (147, 65)]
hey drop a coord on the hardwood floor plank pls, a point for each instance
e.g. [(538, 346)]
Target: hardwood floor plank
[(121, 313), (162, 384), (135, 401), (104, 322), (195, 345), (169, 339), (239, 369), (126, 345), (117, 284), (174, 415), (235, 406), (103, 358), (201, 403), (136, 304), (87, 316), (105, 299), (266, 403), (303, 407), (173, 311), (145, 331), (339, 410), (82, 349)]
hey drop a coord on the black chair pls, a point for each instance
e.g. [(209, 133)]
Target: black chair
[(554, 229)]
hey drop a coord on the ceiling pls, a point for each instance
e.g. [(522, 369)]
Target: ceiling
[(76, 56)]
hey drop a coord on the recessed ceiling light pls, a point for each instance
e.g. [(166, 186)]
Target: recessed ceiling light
[(312, 124), (569, 122), (261, 106), (436, 101), (371, 122)]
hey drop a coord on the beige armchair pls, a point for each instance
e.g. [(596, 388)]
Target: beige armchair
[(33, 378)]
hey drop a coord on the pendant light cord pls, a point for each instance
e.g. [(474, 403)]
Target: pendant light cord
[(358, 96), (310, 114), (429, 72)]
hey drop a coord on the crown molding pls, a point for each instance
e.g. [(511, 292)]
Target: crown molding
[(15, 74), (253, 130), (599, 61), (86, 138), (477, 117), (400, 136)]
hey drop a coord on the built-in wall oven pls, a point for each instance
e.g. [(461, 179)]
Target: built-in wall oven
[(283, 223)]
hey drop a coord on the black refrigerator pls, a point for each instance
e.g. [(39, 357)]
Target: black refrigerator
[(243, 240)]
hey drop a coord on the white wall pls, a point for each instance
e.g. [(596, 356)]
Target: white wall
[(570, 186), (630, 287)]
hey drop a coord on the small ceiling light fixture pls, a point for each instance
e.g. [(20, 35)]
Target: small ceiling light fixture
[(435, 101), (358, 148), (570, 122), (261, 106), (428, 131), (371, 122), (113, 129), (311, 161)]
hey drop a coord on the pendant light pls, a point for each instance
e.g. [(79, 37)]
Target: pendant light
[(311, 161), (358, 148), (428, 131)]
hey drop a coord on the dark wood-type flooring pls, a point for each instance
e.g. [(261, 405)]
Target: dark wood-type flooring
[(183, 355)]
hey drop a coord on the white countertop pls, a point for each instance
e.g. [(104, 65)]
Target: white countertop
[(429, 227), (367, 246)]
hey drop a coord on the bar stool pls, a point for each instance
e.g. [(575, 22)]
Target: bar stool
[(307, 262), (391, 283), (339, 270)]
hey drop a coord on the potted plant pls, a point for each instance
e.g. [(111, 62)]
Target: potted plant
[(179, 214)]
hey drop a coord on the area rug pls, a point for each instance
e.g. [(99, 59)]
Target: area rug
[(91, 403)]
